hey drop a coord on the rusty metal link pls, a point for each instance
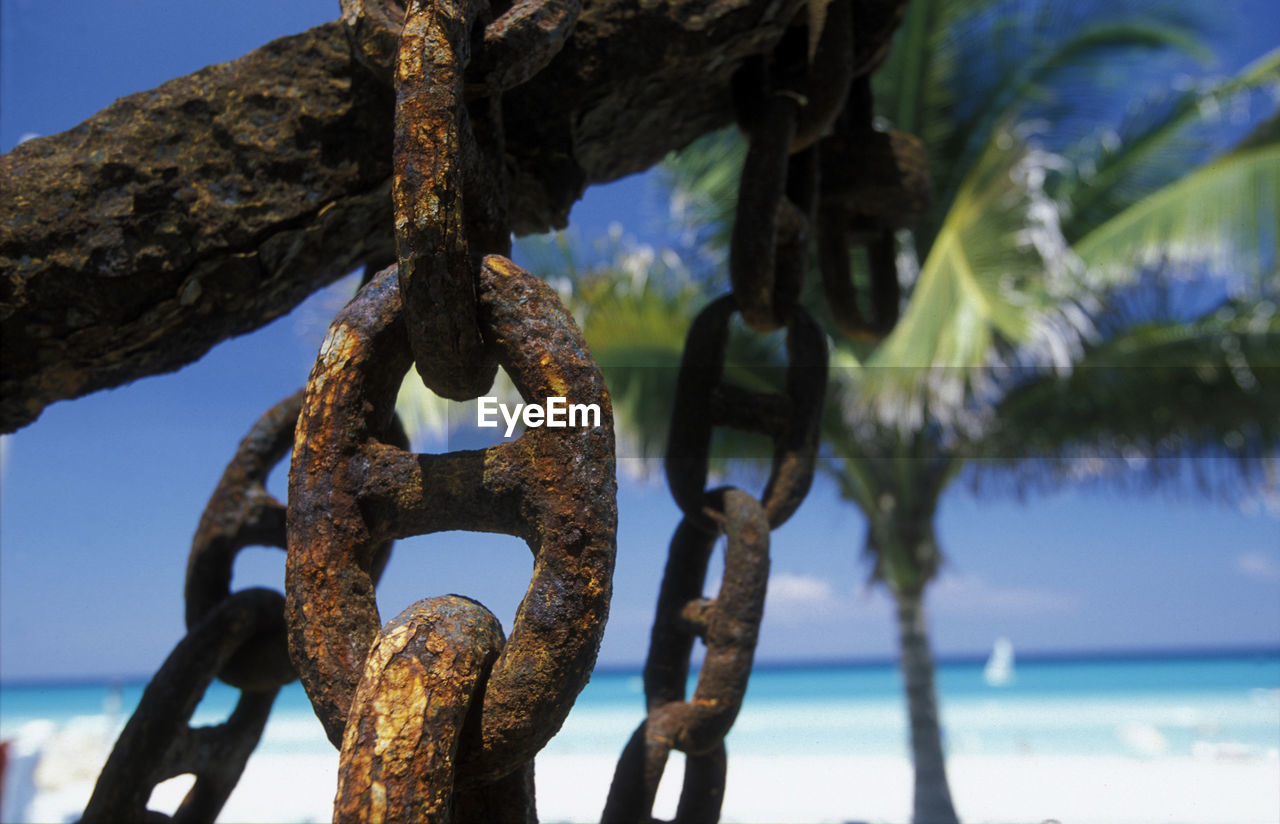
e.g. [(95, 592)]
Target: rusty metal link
[(424, 675), (873, 183), (432, 127), (784, 105), (553, 487), (157, 743), (795, 444), (517, 45), (449, 186), (241, 513), (729, 625)]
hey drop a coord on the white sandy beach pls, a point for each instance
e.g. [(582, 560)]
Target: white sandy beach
[(1209, 788), (988, 790)]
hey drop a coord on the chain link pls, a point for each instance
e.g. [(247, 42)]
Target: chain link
[(553, 487), (450, 181), (157, 743), (238, 637), (881, 184)]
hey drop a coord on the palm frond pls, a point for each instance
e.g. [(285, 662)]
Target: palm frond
[(959, 70), (1153, 146), (1175, 400), (997, 282), (1225, 215)]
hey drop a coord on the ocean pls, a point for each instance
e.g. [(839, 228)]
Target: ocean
[(1210, 707)]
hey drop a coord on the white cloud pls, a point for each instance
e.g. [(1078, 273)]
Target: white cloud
[(796, 597), (786, 586), (1261, 565), (974, 594), (793, 597)]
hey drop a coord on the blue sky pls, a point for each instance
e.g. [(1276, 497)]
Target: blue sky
[(99, 498)]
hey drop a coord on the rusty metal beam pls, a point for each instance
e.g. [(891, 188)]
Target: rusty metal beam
[(205, 208)]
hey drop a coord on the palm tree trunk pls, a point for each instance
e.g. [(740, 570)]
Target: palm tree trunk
[(932, 804)]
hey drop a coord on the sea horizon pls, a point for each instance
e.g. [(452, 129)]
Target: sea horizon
[(1036, 656)]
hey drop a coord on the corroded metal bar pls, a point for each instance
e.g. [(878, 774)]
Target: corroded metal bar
[(205, 208), (178, 217)]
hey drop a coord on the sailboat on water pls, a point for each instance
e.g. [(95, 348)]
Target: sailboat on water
[(999, 669)]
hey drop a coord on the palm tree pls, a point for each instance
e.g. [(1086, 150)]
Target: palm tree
[(1026, 255)]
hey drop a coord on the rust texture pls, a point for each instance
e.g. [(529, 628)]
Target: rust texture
[(516, 46), (241, 513), (555, 488), (795, 446), (729, 625), (435, 269), (157, 743), (418, 705), (201, 210), (182, 216), (450, 189)]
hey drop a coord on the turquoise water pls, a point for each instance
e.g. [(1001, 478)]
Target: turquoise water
[(1140, 706)]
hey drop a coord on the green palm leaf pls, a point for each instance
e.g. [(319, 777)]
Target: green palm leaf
[(1225, 215), (1154, 147), (1155, 392), (996, 279)]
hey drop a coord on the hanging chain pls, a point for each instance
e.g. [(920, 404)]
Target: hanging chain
[(437, 714), (785, 105), (553, 487), (730, 623), (239, 638)]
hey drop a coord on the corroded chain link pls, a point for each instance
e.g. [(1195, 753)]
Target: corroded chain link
[(157, 743), (449, 187), (555, 488), (729, 624), (238, 637)]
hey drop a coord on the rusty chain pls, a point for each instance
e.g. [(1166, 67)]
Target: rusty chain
[(238, 637), (783, 110), (729, 624), (437, 714), (555, 488), (423, 48)]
